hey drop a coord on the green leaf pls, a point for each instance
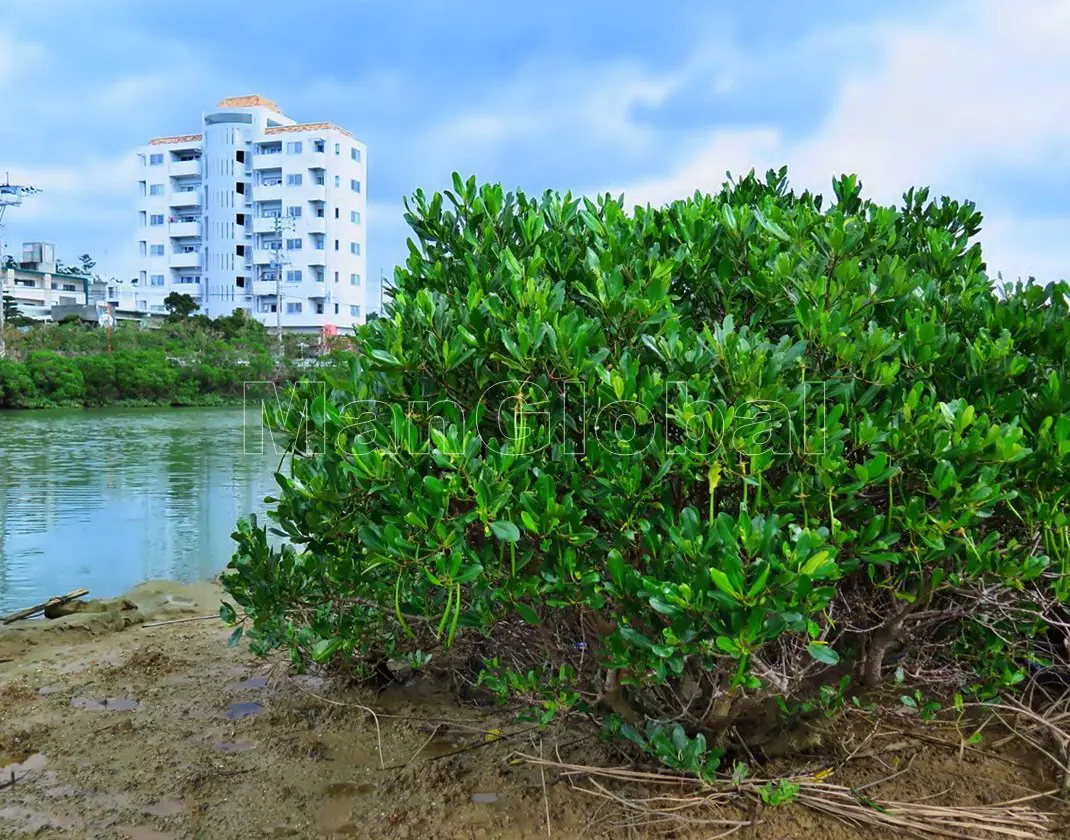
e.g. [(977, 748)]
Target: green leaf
[(636, 638), (527, 613), (720, 580), (386, 357), (823, 653), (615, 565), (505, 530), (324, 649), (815, 563), (235, 637), (468, 574), (227, 613), (664, 607), (435, 486)]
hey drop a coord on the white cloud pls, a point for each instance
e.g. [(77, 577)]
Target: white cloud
[(551, 99), (981, 84)]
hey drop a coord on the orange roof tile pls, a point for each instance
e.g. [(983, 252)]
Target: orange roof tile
[(178, 138), (249, 102), (321, 126)]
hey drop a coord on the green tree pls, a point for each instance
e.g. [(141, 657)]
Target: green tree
[(180, 305), (12, 316)]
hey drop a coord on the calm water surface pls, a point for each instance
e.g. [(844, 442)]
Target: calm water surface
[(104, 499)]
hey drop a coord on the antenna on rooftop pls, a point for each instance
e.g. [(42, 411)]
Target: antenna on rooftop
[(10, 196)]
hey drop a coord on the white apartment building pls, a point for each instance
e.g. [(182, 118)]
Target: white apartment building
[(256, 212)]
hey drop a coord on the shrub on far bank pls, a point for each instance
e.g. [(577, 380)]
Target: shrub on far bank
[(55, 378), (16, 387), (186, 361), (691, 470)]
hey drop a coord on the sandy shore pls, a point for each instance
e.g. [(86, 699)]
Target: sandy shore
[(114, 730)]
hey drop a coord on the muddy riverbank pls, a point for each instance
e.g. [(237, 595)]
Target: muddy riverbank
[(115, 730)]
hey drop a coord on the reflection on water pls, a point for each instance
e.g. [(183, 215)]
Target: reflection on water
[(104, 499)]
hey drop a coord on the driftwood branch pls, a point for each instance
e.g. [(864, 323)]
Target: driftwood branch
[(51, 602)]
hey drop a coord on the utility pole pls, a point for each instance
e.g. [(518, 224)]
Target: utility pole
[(278, 260), (10, 196)]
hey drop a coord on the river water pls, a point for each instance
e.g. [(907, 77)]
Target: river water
[(104, 499)]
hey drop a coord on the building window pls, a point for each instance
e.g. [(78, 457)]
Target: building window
[(336, 309), (337, 149), (354, 279), (293, 180), (239, 156), (294, 212), (293, 148), (293, 244), (142, 247), (354, 185), (293, 275), (338, 180), (141, 158), (155, 189), (336, 212), (156, 160), (293, 308), (156, 219), (317, 145), (319, 308), (156, 280), (317, 243), (156, 250), (354, 217), (354, 311), (336, 244), (336, 277), (354, 248), (69, 287), (354, 153)]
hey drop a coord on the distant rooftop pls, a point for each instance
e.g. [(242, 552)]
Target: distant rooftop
[(249, 102), (321, 126), (178, 138)]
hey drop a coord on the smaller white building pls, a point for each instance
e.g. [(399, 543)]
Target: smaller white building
[(35, 284)]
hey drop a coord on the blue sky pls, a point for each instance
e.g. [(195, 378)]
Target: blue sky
[(653, 100)]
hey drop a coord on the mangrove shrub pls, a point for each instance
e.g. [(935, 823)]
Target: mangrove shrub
[(693, 464)]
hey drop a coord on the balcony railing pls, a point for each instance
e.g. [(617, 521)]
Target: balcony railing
[(186, 259), (184, 228), (186, 197), (181, 168)]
